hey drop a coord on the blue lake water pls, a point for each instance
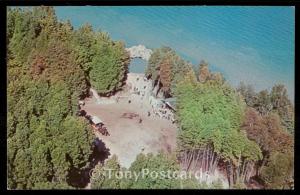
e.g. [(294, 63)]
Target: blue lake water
[(137, 65), (251, 44)]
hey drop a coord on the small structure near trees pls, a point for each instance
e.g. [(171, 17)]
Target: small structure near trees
[(97, 121), (98, 125)]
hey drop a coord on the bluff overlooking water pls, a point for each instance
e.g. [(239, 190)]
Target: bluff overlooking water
[(250, 44), (139, 51)]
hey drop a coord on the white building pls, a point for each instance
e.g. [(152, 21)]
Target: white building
[(96, 120)]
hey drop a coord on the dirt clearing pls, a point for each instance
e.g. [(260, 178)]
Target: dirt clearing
[(131, 135)]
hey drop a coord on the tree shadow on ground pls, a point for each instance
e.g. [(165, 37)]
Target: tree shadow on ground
[(79, 178)]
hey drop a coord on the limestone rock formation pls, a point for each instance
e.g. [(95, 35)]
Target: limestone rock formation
[(139, 51)]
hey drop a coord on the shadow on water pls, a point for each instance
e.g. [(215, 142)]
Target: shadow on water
[(81, 177)]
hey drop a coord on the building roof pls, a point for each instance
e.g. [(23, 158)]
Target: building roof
[(96, 120)]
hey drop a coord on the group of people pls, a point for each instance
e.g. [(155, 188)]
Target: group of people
[(161, 112), (103, 131), (159, 109)]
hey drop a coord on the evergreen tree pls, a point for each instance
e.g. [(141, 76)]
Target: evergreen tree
[(83, 42), (279, 172), (248, 94), (104, 177), (209, 116), (204, 73), (165, 75), (166, 69), (283, 106), (109, 67), (156, 164), (45, 143)]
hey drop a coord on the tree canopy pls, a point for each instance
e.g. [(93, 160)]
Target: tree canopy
[(160, 171), (276, 101), (209, 116), (109, 66), (51, 66), (49, 69), (166, 69)]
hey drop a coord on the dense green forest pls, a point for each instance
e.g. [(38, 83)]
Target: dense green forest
[(153, 163), (250, 134), (51, 66)]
